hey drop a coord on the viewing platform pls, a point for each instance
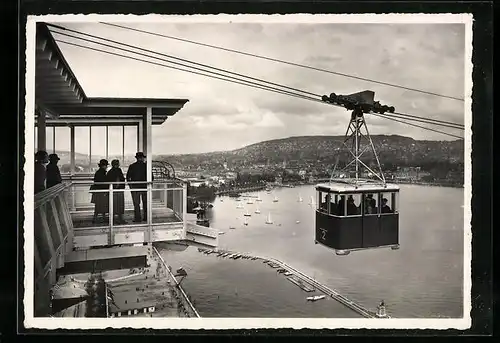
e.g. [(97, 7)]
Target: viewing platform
[(68, 238)]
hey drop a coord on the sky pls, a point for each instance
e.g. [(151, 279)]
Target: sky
[(226, 116)]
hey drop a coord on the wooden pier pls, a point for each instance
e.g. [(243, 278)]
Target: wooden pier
[(305, 282)]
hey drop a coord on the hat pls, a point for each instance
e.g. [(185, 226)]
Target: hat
[(115, 162), (139, 154), (40, 155), (103, 162), (53, 157)]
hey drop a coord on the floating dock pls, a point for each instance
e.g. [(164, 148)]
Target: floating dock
[(300, 284), (306, 283)]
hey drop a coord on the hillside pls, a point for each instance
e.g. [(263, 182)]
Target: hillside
[(392, 149)]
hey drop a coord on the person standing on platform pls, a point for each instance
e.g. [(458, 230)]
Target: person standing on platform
[(100, 199), (115, 174), (53, 173), (137, 172), (41, 159)]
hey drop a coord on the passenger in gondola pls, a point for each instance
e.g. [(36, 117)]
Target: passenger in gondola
[(41, 159), (323, 206), (100, 199), (385, 207), (352, 209), (53, 173), (115, 174), (341, 206), (333, 206), (370, 204)]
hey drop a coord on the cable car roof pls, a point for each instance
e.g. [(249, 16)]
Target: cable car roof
[(347, 186)]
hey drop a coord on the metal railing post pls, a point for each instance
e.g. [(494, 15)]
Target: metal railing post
[(184, 207), (166, 194), (111, 215), (149, 210)]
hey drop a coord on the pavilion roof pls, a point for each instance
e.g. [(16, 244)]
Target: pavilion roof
[(60, 96)]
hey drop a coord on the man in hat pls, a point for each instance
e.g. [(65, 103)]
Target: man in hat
[(137, 172), (100, 199), (41, 159), (53, 173)]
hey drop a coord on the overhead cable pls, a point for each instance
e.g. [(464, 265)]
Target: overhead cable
[(283, 61), (407, 116), (227, 79)]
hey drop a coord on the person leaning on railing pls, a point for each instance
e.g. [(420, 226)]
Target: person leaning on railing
[(41, 159), (115, 174), (53, 173), (137, 172), (100, 199)]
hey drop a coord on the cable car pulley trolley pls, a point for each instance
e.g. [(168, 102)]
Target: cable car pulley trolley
[(357, 209)]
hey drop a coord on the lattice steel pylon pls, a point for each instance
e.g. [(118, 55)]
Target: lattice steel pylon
[(357, 141)]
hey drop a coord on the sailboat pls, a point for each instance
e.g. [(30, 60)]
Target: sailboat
[(269, 220), (245, 222), (249, 201), (275, 199), (257, 210), (247, 214), (258, 197), (300, 198), (311, 202)]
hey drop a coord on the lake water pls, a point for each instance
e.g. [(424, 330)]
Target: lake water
[(424, 278)]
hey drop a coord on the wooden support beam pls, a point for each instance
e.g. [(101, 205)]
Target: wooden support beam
[(41, 44)]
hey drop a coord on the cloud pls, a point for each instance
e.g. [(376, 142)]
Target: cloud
[(222, 115)]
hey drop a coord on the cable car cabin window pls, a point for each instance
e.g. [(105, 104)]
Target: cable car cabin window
[(334, 207), (323, 200), (353, 205), (388, 202), (371, 204)]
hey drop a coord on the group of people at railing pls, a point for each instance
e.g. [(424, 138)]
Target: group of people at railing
[(137, 171), (47, 172)]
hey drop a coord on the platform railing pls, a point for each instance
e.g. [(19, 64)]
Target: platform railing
[(53, 239), (165, 206)]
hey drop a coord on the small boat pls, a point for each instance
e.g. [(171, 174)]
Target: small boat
[(249, 201), (268, 219), (300, 198), (221, 232), (258, 197), (381, 313), (297, 222), (316, 297), (247, 214), (288, 273), (257, 211), (239, 206), (245, 222), (238, 199), (275, 199), (221, 200), (232, 228), (311, 202)]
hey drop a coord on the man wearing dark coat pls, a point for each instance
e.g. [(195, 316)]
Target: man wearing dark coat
[(137, 172), (40, 172), (115, 174), (53, 173), (100, 199)]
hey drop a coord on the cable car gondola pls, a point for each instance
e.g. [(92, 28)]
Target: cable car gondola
[(357, 209)]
